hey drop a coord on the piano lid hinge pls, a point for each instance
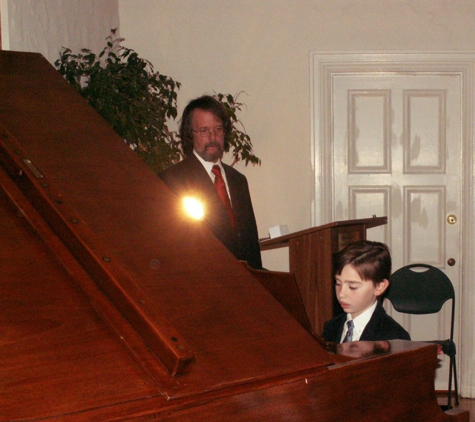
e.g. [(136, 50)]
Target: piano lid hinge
[(33, 168)]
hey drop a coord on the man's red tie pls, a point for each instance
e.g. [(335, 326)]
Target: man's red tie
[(222, 192)]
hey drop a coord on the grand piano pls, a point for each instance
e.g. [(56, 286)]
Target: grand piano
[(114, 306)]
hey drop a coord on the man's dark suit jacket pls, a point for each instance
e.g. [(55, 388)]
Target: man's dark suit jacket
[(189, 177), (380, 327)]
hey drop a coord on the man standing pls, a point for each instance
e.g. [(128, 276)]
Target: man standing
[(204, 130)]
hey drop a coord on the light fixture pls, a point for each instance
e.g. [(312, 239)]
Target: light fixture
[(193, 208)]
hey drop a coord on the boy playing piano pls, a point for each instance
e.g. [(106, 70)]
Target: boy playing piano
[(361, 277)]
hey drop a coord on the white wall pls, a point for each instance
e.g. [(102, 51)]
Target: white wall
[(45, 26), (262, 47), (258, 46)]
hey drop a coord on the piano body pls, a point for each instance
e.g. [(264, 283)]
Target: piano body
[(115, 307)]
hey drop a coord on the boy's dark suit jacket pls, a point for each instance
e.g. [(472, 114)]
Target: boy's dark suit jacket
[(380, 327), (189, 177)]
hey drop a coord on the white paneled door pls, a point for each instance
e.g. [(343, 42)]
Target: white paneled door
[(389, 142)]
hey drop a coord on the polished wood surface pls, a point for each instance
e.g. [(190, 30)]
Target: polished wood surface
[(465, 404), (115, 307), (284, 288), (311, 254)]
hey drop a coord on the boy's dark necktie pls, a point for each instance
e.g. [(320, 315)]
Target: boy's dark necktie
[(349, 333)]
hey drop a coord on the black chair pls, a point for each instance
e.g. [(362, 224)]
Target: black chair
[(425, 292)]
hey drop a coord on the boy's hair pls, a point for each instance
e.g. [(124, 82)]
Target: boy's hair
[(371, 260)]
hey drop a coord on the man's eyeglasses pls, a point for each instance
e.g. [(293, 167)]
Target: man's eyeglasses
[(206, 133)]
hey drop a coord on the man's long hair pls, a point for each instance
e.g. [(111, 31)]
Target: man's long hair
[(207, 103)]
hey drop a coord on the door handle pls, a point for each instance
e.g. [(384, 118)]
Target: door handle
[(451, 219)]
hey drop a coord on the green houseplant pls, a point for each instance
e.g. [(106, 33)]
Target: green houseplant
[(139, 102)]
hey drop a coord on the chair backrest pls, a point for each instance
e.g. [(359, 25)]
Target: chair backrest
[(423, 291)]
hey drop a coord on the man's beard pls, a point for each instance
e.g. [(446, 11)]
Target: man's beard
[(211, 156)]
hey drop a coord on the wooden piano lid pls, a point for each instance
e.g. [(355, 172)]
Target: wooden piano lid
[(193, 304)]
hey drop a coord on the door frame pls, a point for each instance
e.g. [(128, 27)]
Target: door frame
[(323, 67)]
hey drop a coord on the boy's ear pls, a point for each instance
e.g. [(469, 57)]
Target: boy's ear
[(381, 287)]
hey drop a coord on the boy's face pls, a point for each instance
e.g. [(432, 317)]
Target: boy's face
[(354, 294)]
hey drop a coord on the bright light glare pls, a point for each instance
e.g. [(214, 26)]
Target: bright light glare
[(193, 208)]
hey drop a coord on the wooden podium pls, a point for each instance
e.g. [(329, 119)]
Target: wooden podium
[(311, 261)]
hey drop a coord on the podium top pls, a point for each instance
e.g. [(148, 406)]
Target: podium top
[(278, 242)]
